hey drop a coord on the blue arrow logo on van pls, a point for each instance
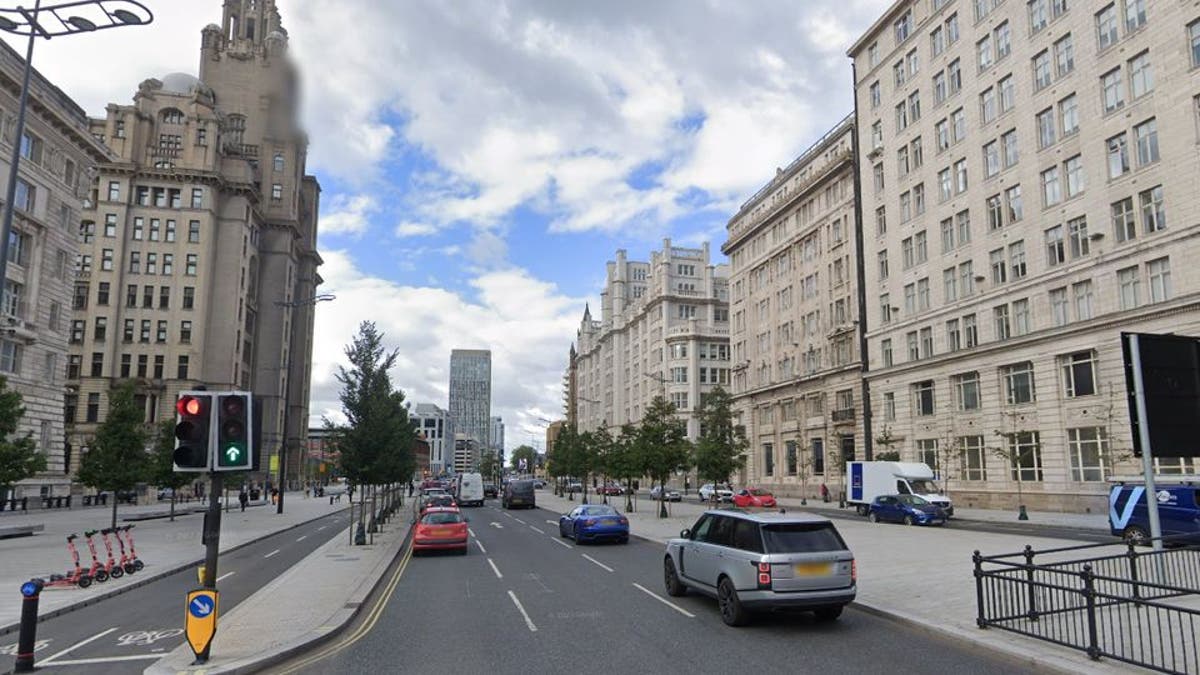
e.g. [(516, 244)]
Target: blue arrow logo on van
[(1120, 521)]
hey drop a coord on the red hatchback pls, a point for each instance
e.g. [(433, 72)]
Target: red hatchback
[(441, 528), (753, 496)]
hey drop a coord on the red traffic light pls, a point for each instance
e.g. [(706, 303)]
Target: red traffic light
[(189, 405)]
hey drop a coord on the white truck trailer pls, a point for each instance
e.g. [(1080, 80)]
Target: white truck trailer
[(868, 480)]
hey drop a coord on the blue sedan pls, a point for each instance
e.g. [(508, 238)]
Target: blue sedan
[(907, 509), (594, 522)]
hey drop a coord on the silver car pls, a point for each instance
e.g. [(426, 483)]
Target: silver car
[(763, 561)]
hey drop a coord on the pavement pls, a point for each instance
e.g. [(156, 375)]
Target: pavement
[(921, 576), (164, 546)]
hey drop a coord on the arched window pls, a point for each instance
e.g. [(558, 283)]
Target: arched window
[(235, 127), (279, 161), (171, 116)]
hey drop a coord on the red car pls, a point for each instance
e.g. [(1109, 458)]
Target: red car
[(753, 496), (612, 489), (441, 528)]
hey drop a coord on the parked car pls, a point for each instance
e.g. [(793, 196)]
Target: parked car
[(753, 562), (1178, 500), (574, 486), (440, 529), (656, 493), (724, 492), (594, 523), (754, 497), (907, 509), (612, 489), (519, 493), (539, 484), (490, 491)]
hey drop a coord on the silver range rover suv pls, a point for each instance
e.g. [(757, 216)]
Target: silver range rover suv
[(762, 561)]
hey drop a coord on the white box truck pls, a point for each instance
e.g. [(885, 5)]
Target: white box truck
[(868, 480)]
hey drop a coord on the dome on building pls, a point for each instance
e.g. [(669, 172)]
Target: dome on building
[(180, 83)]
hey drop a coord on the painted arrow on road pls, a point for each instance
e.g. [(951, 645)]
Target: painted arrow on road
[(496, 525)]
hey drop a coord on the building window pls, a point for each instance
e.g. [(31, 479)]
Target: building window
[(1079, 374), (1194, 37), (126, 364), (144, 334), (127, 333), (1058, 306), (189, 297), (114, 191), (999, 266), (1110, 84), (923, 398), (1064, 55), (974, 458), (1106, 27), (1129, 284), (97, 364), (190, 269), (768, 450), (966, 391), (1018, 383), (1051, 192), (1055, 248), (1141, 75), (1084, 300), (1118, 155), (1068, 115), (1146, 136), (1078, 234), (1041, 70), (1154, 214), (1001, 322), (1158, 272), (181, 371), (93, 407), (1124, 222), (100, 330), (1089, 453), (1025, 456), (1135, 15), (276, 192), (885, 351), (185, 332), (143, 362), (197, 198), (1076, 181), (26, 198), (1045, 125)]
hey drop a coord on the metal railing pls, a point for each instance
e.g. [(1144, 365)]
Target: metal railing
[(1134, 605)]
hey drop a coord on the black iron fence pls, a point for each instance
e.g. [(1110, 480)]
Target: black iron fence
[(1136, 605)]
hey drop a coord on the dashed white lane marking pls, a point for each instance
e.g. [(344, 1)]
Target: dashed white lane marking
[(495, 569), (471, 531), (223, 576), (322, 527), (271, 553), (602, 565), (303, 538), (664, 601), (536, 529), (77, 645), (560, 542), (481, 548), (528, 621), (551, 522)]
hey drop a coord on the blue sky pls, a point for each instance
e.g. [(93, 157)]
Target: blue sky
[(480, 160)]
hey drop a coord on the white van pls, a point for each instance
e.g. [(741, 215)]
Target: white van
[(469, 489)]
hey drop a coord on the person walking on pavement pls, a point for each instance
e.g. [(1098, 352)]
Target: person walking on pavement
[(243, 498), (410, 488)]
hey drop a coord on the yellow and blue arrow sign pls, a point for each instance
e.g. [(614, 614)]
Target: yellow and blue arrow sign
[(201, 620)]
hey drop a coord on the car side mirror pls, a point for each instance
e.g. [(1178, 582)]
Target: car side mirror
[(685, 533)]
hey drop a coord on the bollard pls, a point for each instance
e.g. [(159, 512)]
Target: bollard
[(30, 591)]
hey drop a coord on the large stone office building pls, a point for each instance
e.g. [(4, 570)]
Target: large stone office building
[(198, 247), (1030, 189)]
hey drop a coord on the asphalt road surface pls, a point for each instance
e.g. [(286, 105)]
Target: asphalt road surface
[(523, 600), (127, 632)]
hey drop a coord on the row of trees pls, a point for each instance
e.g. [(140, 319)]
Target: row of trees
[(656, 447)]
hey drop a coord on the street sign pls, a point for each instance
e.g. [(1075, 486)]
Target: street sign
[(1170, 367), (201, 620)]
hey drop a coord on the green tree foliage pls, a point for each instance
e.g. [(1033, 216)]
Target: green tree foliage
[(662, 443), (19, 458), (117, 459), (528, 454), (489, 465), (162, 463), (622, 462), (721, 449)]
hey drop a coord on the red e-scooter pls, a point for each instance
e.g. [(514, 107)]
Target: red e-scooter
[(77, 577), (98, 572), (113, 567), (138, 565), (126, 562)]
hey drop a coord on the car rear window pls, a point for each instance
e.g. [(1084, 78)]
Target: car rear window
[(441, 518), (521, 485), (802, 538)]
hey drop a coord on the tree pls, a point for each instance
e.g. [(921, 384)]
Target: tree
[(622, 463), (662, 445), (804, 461), (721, 449), (489, 465), (19, 458), (117, 459), (1018, 447), (162, 463), (600, 444), (887, 440), (528, 454)]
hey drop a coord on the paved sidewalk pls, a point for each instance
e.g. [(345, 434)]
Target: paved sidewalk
[(921, 576), (309, 603), (164, 546)]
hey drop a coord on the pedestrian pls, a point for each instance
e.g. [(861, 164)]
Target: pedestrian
[(824, 493), (243, 498), (410, 488)]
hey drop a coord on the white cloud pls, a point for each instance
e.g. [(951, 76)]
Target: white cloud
[(411, 229), (347, 214)]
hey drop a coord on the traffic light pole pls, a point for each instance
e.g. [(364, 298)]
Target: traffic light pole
[(212, 528)]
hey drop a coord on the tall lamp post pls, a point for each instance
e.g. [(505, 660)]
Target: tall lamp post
[(287, 368), (51, 21)]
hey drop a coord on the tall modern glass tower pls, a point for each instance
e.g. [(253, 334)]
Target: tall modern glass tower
[(471, 397)]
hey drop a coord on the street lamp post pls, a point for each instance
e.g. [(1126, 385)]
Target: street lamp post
[(287, 369), (50, 22)]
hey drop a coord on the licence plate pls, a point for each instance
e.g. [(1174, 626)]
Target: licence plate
[(517, 500), (608, 521), (441, 533), (814, 569)]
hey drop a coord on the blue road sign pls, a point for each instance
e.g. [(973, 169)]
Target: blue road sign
[(30, 588), (200, 606)]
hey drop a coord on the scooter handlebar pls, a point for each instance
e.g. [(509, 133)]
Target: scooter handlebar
[(88, 533), (72, 537)]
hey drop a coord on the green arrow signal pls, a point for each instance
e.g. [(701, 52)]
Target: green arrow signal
[(232, 454)]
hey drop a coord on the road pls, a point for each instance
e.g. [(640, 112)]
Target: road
[(124, 633), (524, 600)]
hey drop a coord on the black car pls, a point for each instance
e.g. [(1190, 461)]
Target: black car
[(490, 491)]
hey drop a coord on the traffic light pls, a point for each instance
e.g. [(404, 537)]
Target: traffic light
[(193, 421), (235, 447)]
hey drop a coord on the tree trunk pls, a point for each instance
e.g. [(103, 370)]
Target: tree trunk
[(172, 506), (113, 525)]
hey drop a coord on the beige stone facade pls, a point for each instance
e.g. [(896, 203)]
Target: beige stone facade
[(664, 330), (199, 243), (1030, 189), (58, 157), (797, 381)]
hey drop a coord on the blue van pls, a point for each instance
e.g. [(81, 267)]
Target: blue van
[(1178, 512)]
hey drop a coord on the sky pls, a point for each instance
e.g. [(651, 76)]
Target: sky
[(480, 161)]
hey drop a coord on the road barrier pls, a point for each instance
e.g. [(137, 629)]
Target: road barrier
[(1109, 600)]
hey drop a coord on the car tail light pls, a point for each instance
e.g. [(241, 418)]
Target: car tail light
[(588, 522), (764, 576), (624, 520), (854, 571)]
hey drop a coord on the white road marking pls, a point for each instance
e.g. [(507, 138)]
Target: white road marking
[(551, 522), (664, 601), (75, 646), (223, 576), (528, 621), (303, 538), (560, 542), (471, 531), (536, 530), (105, 659), (496, 525), (495, 569), (511, 516), (322, 527), (598, 562), (481, 548), (271, 553)]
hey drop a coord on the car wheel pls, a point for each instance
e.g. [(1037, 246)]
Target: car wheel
[(575, 534), (828, 613), (873, 517), (562, 531), (908, 520), (623, 540), (1135, 535), (675, 587), (862, 510), (732, 612)]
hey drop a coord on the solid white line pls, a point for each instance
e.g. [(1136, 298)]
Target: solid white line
[(271, 553), (528, 621), (597, 562), (105, 659), (560, 542), (495, 569), (551, 522), (227, 574), (303, 538), (536, 530), (75, 646), (322, 527), (481, 548), (664, 601), (471, 531)]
